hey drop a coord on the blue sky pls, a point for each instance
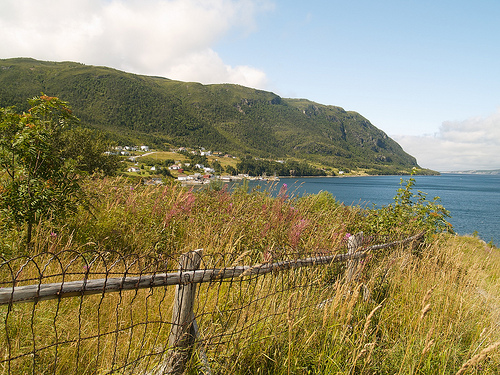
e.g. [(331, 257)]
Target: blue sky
[(424, 62), (425, 72)]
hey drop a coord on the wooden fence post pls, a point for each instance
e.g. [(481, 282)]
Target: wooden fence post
[(182, 335), (353, 243)]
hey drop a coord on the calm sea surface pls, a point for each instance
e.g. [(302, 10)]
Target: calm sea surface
[(473, 200)]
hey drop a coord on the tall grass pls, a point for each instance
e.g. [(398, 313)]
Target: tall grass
[(409, 314), (427, 309), (172, 219)]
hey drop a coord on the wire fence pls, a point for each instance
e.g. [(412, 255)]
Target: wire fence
[(122, 312)]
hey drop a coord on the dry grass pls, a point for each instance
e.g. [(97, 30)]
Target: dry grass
[(432, 309)]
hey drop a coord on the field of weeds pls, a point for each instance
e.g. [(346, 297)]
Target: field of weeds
[(426, 308)]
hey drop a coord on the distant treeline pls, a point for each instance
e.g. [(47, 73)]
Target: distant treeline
[(258, 167)]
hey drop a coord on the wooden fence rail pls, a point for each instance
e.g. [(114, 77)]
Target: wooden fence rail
[(184, 333), (40, 292)]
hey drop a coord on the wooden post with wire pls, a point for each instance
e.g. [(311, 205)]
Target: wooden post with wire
[(354, 242), (183, 334)]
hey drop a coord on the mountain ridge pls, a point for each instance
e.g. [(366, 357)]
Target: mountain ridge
[(243, 121)]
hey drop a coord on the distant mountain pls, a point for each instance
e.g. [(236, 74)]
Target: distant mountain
[(223, 117), (478, 171)]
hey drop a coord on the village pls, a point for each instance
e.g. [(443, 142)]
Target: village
[(188, 166)]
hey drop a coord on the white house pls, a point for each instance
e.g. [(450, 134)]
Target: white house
[(144, 148), (133, 169)]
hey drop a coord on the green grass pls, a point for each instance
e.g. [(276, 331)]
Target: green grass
[(426, 309)]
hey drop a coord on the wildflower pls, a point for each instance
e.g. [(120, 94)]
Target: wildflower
[(53, 234), (189, 201), (296, 232), (282, 192)]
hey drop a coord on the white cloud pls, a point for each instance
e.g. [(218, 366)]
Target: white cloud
[(459, 145), (198, 65), (171, 38)]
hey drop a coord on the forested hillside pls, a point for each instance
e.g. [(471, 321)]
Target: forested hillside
[(223, 117)]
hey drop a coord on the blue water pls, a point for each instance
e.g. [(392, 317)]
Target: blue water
[(473, 200)]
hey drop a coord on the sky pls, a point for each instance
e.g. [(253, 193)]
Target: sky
[(425, 72)]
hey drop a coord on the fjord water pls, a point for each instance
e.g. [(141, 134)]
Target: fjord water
[(472, 199)]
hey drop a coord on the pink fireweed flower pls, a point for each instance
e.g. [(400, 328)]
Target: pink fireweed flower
[(183, 206), (282, 192), (296, 232)]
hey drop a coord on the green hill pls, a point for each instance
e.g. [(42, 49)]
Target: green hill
[(224, 117)]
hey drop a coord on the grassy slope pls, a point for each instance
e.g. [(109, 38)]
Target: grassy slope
[(426, 310), (228, 118)]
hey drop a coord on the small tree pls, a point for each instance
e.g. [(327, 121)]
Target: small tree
[(231, 170), (88, 148), (35, 180), (410, 212)]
